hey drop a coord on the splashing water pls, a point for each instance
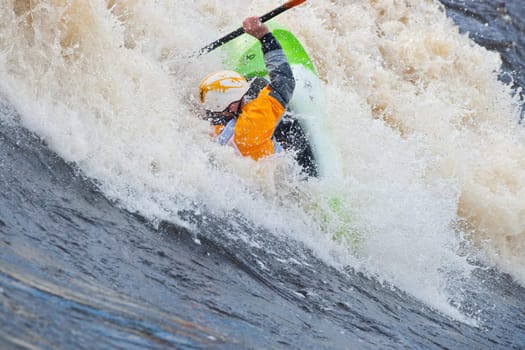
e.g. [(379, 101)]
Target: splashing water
[(432, 154)]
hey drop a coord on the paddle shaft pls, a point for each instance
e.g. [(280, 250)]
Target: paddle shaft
[(266, 17)]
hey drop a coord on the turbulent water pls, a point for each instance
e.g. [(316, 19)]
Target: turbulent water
[(123, 226)]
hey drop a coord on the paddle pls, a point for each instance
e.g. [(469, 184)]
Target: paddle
[(240, 31)]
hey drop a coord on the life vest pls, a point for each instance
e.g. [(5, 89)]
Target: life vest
[(251, 133)]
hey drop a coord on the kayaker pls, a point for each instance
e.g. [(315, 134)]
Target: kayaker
[(245, 115)]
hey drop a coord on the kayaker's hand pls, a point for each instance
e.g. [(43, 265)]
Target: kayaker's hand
[(254, 27)]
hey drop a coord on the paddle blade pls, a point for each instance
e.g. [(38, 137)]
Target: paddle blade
[(293, 3)]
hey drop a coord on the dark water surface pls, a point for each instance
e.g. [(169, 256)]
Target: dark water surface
[(498, 25), (77, 272)]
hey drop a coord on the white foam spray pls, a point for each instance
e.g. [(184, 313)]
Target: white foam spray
[(430, 146)]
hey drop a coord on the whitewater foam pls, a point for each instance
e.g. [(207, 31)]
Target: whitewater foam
[(430, 146)]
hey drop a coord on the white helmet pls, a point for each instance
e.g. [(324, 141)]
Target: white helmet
[(218, 90)]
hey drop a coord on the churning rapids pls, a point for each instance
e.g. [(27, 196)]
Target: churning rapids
[(123, 227)]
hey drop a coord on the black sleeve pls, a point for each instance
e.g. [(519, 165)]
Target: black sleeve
[(282, 81)]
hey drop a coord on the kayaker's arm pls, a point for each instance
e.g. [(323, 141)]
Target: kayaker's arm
[(282, 81)]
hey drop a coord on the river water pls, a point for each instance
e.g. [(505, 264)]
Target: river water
[(123, 226)]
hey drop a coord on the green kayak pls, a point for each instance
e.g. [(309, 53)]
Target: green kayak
[(244, 54), (307, 107)]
